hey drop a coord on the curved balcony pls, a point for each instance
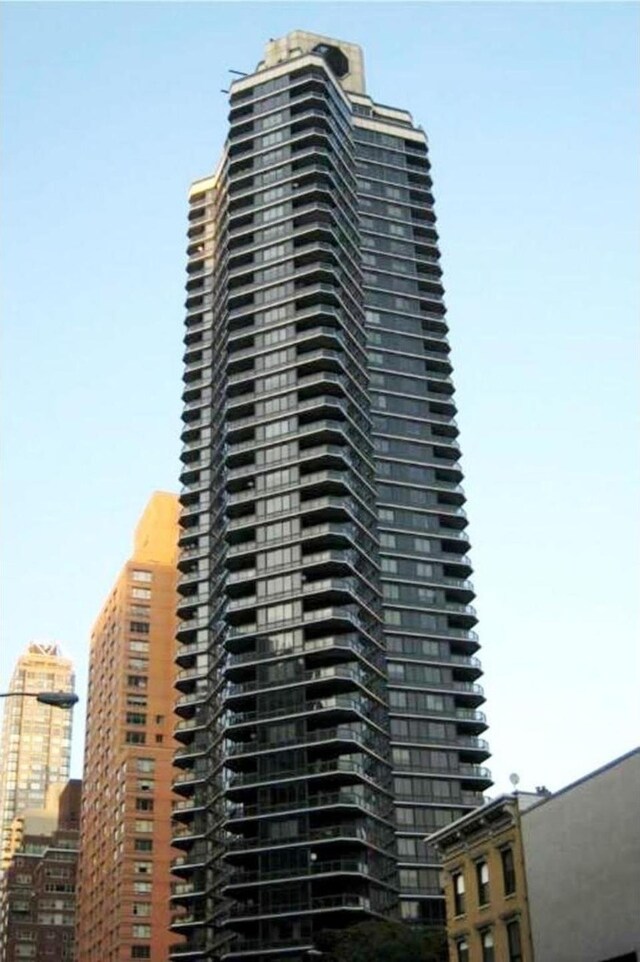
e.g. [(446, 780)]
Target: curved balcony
[(188, 652), (191, 579), (456, 798), (197, 445), (367, 835), (346, 589), (331, 481), (187, 808), (189, 472), (193, 948), (186, 679), (467, 692), (189, 753), (186, 629), (243, 576), (187, 704), (196, 858), (239, 548), (343, 769), (324, 455), (470, 719), (338, 646), (191, 511), (194, 546), (324, 737), (186, 728), (325, 802), (477, 777), (332, 675), (314, 870), (339, 590), (324, 482), (249, 910), (190, 605), (463, 771), (186, 891), (186, 781), (469, 746), (186, 835), (467, 664), (188, 920), (319, 707), (323, 430), (232, 948), (333, 535), (328, 618)]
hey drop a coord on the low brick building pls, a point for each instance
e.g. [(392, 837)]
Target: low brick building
[(548, 877), (38, 888), (485, 883)]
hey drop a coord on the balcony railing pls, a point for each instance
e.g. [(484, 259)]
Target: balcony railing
[(250, 910), (325, 833), (336, 867), (320, 704), (326, 800), (338, 734), (341, 765)]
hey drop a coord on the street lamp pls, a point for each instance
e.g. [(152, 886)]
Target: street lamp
[(59, 699)]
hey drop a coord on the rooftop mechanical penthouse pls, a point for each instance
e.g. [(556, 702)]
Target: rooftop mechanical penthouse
[(328, 695)]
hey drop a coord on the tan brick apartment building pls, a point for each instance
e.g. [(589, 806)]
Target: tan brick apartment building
[(124, 870)]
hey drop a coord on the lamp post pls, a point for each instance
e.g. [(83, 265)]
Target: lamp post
[(59, 699)]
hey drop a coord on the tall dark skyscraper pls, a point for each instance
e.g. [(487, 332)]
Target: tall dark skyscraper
[(328, 694)]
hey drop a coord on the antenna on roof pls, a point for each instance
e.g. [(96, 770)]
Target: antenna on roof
[(240, 73), (514, 778)]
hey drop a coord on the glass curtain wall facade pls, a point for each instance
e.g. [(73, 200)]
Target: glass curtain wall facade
[(433, 695), (324, 635)]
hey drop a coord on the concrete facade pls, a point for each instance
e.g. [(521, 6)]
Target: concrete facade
[(582, 851)]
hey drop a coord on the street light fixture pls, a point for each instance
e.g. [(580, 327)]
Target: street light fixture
[(59, 699)]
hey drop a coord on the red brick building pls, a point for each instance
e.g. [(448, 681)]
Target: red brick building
[(38, 888)]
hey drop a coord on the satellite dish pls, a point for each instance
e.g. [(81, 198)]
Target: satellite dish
[(514, 778)]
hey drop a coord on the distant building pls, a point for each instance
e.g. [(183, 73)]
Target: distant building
[(37, 821), (124, 871), (36, 738), (38, 888), (548, 878)]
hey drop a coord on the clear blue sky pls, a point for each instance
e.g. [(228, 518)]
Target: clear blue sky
[(110, 110)]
